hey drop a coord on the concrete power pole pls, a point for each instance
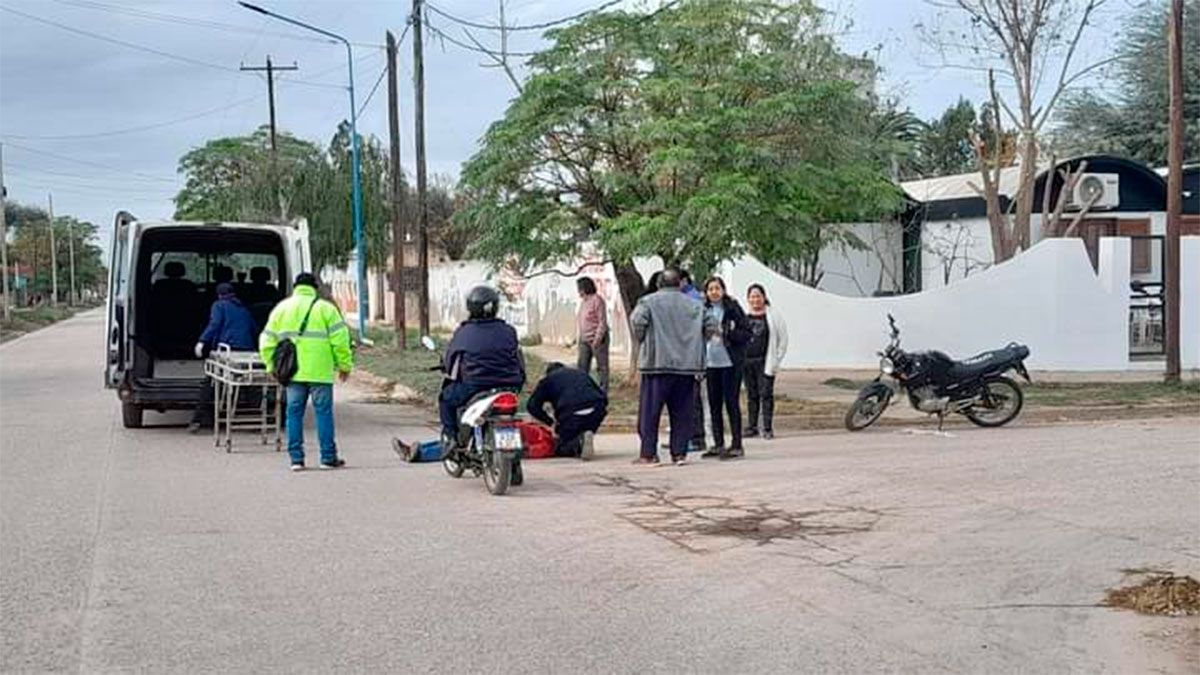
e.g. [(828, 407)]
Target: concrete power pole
[(53, 255), (73, 297), (4, 237), (398, 290), (1174, 186), (422, 202), (270, 68)]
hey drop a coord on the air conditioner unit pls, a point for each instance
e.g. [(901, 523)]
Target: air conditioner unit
[(1100, 190)]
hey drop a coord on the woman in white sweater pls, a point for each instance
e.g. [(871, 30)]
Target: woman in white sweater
[(764, 353)]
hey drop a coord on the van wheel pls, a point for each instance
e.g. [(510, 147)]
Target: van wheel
[(131, 416)]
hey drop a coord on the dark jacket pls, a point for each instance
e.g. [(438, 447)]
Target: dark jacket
[(735, 329), (567, 390), (486, 353), (230, 323)]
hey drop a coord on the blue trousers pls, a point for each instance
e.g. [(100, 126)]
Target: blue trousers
[(297, 405)]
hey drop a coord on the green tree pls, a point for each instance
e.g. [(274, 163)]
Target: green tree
[(239, 179), (946, 147), (1132, 120), (30, 249), (700, 132)]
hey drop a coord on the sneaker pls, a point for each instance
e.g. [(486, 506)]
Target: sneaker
[(589, 446), (751, 433), (768, 434), (733, 453), (333, 464), (714, 451), (646, 461), (297, 466), (679, 460)]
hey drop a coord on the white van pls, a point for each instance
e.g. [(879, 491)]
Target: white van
[(161, 284)]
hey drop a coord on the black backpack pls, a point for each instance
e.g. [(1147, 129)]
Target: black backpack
[(284, 360)]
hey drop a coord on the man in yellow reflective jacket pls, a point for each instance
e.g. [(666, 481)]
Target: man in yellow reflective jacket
[(322, 342)]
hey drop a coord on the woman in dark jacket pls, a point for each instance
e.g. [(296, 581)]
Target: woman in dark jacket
[(725, 356)]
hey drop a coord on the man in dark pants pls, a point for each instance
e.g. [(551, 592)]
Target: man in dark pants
[(698, 441), (669, 328), (579, 408), (229, 323)]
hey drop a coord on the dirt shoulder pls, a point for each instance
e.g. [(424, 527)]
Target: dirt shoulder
[(808, 400)]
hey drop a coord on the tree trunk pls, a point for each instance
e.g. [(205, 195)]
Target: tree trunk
[(631, 286), (1024, 196)]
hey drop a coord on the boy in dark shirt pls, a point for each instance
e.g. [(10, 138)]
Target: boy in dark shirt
[(579, 408)]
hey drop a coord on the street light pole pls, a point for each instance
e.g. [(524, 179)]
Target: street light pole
[(355, 171)]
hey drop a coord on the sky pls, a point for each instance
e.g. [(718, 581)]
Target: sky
[(102, 124)]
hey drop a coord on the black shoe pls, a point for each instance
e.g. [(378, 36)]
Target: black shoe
[(646, 461), (679, 460), (518, 476), (768, 434), (714, 451), (297, 466), (751, 433), (733, 453), (333, 464)]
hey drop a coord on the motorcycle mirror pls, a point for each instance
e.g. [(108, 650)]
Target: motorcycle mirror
[(428, 343)]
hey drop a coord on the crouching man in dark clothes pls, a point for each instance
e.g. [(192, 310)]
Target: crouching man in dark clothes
[(579, 408)]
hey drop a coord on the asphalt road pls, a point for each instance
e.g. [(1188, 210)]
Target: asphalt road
[(980, 551)]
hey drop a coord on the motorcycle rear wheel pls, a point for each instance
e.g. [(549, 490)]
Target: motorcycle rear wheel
[(497, 466), (867, 408), (1000, 403)]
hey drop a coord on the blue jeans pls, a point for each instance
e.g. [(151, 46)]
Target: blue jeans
[(297, 405)]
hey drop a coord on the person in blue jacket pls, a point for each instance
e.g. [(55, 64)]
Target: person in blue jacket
[(229, 323)]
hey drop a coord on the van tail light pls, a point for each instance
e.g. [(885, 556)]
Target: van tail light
[(505, 404)]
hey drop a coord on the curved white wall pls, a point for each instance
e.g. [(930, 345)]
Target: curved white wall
[(1048, 298)]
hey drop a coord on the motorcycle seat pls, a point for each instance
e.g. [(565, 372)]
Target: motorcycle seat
[(993, 361)]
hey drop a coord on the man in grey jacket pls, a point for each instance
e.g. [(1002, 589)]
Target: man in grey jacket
[(670, 330)]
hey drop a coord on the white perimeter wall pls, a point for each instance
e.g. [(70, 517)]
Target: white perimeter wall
[(1048, 298)]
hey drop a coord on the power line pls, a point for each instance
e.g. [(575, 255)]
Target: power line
[(199, 23), (471, 48), (85, 162), (526, 27), (80, 176), (130, 45), (134, 130), (382, 72)]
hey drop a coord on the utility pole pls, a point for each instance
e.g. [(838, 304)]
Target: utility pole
[(422, 203), (4, 236), (399, 320), (270, 68), (73, 297), (1174, 186), (53, 255)]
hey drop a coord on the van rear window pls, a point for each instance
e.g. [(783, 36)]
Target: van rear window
[(208, 269)]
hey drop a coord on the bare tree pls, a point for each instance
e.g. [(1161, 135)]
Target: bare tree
[(1025, 42)]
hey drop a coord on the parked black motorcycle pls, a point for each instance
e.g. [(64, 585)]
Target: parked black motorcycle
[(977, 388), (488, 442)]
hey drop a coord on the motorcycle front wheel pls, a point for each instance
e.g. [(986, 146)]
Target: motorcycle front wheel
[(865, 410), (999, 403), (452, 466)]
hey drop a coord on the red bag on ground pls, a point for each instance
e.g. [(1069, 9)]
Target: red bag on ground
[(537, 438)]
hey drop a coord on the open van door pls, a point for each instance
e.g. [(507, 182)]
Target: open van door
[(118, 324), (299, 255)]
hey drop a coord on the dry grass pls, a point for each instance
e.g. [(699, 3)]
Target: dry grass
[(1160, 593)]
